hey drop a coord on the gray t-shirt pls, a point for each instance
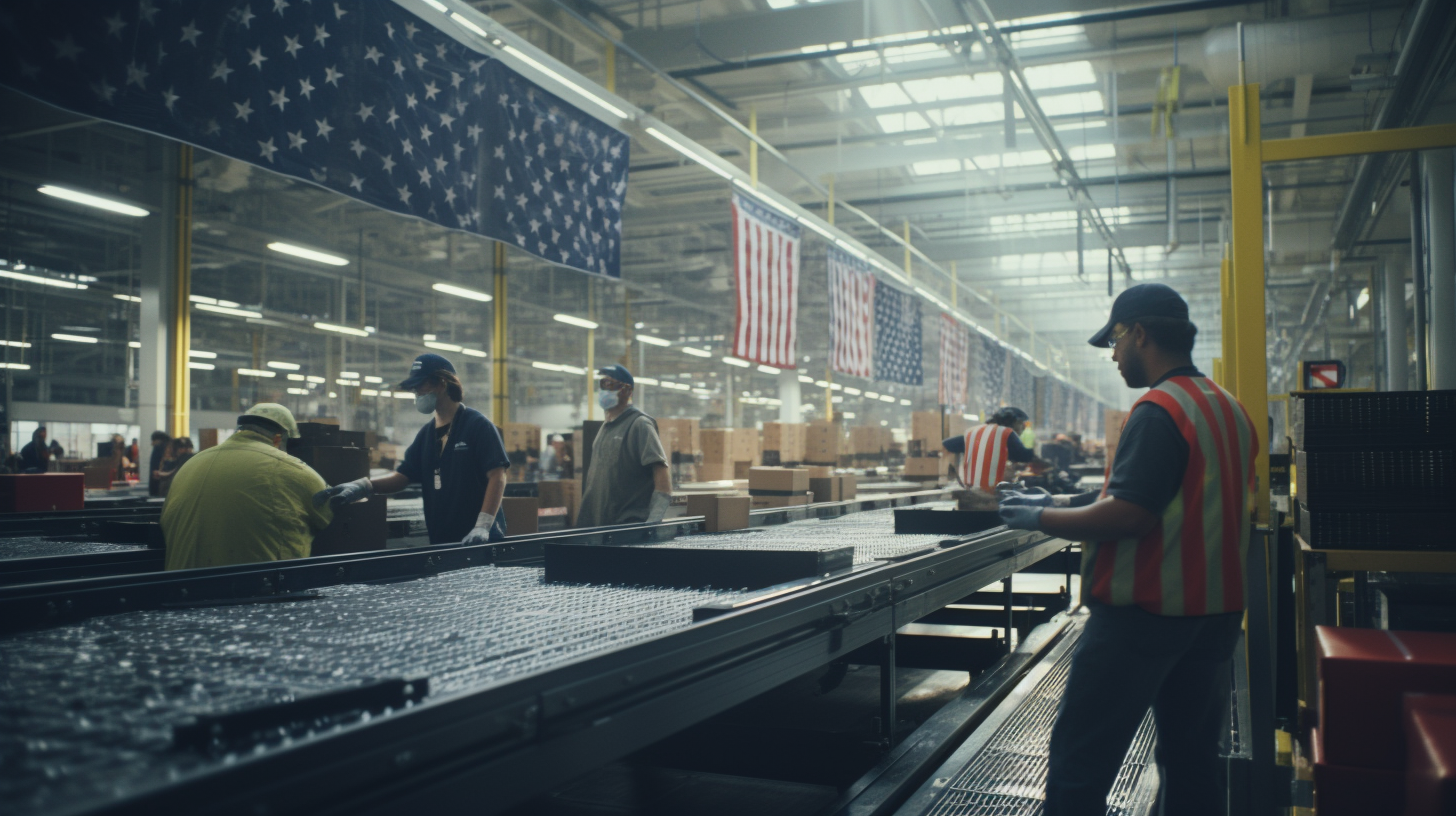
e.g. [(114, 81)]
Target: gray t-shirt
[(618, 485)]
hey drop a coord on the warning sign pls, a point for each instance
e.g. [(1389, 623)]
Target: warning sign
[(1320, 374)]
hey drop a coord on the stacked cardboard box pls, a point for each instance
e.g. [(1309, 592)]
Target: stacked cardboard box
[(561, 493), (725, 451), (924, 468), (1112, 429), (340, 456), (720, 512), (869, 445), (783, 442), (778, 487), (823, 442), (927, 431), (681, 442), (745, 445)]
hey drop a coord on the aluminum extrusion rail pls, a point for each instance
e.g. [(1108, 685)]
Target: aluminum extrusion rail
[(488, 749), (60, 600)]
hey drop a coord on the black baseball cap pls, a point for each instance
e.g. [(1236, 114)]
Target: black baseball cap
[(1142, 300), (421, 369), (618, 373)]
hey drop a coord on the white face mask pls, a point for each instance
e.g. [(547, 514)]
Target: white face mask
[(425, 403), (607, 399)]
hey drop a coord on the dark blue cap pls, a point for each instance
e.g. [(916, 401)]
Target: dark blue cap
[(421, 369), (1143, 300), (618, 373)]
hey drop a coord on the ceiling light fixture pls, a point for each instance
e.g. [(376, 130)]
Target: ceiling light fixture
[(734, 361), (442, 346), (470, 352), (20, 344), (128, 298), (574, 321), (208, 307), (768, 369), (206, 355), (308, 254), (696, 352), (653, 341), (90, 200), (341, 329), (21, 276), (201, 366), (281, 366), (672, 143), (255, 372), (16, 366), (297, 377), (523, 57), (74, 338), (463, 21), (460, 291), (646, 380)]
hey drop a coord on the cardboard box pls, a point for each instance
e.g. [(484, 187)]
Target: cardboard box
[(795, 480), (822, 443), (720, 512), (715, 471), (208, 438), (785, 438), (848, 486), (782, 501), (1363, 677), (521, 436), (927, 430), (1430, 775), (42, 492), (923, 466), (337, 465), (561, 493), (717, 444), (820, 471), (1112, 429), (521, 515), (745, 445), (741, 469), (870, 440), (680, 436), (99, 476), (825, 489), (1343, 790)]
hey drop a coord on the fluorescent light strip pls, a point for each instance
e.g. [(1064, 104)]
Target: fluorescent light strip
[(461, 19), (803, 379), (282, 366), (574, 321), (734, 361), (470, 352), (16, 366), (308, 254), (92, 200), (299, 392), (696, 352), (133, 344), (403, 395), (201, 366), (20, 344), (208, 307), (905, 402), (672, 143), (437, 6), (206, 355), (768, 369), (646, 380), (522, 56), (315, 379), (341, 329), (254, 372), (442, 346), (460, 291), (74, 338), (59, 284), (343, 381), (653, 341), (545, 366), (349, 375), (128, 298), (368, 392), (374, 380), (296, 377)]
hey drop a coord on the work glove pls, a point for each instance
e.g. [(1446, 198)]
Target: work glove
[(1020, 517), (1008, 487), (1037, 497), (346, 493), (480, 533), (657, 508)]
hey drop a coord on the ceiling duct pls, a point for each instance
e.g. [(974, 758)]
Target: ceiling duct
[(1327, 46)]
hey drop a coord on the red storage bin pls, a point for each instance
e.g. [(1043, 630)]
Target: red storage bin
[(41, 492), (1430, 774), (1343, 790), (1364, 675)]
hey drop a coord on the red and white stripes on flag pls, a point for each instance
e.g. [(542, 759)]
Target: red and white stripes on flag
[(851, 315), (954, 350), (766, 269)]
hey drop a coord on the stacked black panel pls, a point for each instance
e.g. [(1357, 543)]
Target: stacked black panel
[(1376, 471), (342, 456)]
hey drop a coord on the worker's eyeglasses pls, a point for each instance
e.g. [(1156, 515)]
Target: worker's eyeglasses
[(610, 385), (1119, 332)]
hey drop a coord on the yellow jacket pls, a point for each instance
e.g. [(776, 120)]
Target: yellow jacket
[(242, 502)]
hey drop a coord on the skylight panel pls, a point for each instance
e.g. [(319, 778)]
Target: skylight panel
[(913, 53), (972, 114), (889, 95), (1073, 103), (1061, 75), (936, 167), (1092, 152), (901, 122), (936, 89)]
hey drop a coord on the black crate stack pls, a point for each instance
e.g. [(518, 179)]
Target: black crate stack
[(342, 456), (1376, 471)]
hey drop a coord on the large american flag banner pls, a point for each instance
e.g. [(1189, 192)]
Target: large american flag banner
[(898, 342), (766, 270), (851, 315), (954, 349), (365, 99)]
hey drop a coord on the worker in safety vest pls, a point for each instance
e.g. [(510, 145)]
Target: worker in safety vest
[(986, 452), (1162, 569)]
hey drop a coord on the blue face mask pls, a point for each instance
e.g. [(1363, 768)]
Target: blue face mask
[(607, 399), (425, 403)]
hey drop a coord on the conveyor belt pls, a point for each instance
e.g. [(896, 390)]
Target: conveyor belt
[(1001, 770), (46, 547), (864, 531)]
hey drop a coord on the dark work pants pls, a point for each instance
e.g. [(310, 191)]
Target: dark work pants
[(1127, 661)]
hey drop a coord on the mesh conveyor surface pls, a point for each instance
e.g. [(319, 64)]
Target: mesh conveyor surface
[(1007, 777), (870, 533), (86, 709), (43, 547)]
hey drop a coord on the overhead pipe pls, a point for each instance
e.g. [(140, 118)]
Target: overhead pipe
[(1287, 48)]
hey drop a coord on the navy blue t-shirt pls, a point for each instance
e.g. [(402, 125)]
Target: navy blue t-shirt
[(1151, 455), (1016, 450), (473, 448)]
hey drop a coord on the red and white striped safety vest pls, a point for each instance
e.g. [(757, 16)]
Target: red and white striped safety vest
[(983, 465), (1192, 562)]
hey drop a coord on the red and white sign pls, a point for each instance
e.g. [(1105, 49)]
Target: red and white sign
[(1324, 375)]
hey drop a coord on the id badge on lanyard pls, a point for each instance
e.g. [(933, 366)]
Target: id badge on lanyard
[(439, 456)]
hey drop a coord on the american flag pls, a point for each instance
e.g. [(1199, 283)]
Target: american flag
[(851, 314), (898, 342), (990, 380), (365, 99), (954, 347), (766, 269)]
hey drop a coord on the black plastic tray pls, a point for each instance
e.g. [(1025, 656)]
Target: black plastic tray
[(689, 567), (945, 522)]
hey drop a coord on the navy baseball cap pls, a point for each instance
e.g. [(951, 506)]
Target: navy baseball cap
[(421, 369), (1142, 300), (618, 373)]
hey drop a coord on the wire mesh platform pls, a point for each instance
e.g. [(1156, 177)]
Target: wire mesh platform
[(868, 532), (46, 547)]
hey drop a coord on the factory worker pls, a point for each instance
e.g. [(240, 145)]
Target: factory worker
[(458, 459), (245, 500), (992, 447), (1162, 569), (628, 480), (35, 456)]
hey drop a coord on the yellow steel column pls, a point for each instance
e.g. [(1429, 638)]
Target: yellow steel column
[(1249, 374), (907, 248), (500, 384), (609, 66), (181, 345), (1228, 352), (831, 201), (753, 147)]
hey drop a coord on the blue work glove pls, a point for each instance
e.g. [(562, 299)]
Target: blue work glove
[(1013, 497), (345, 493), (1020, 517), (480, 533)]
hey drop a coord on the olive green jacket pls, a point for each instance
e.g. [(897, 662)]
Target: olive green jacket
[(241, 502)]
